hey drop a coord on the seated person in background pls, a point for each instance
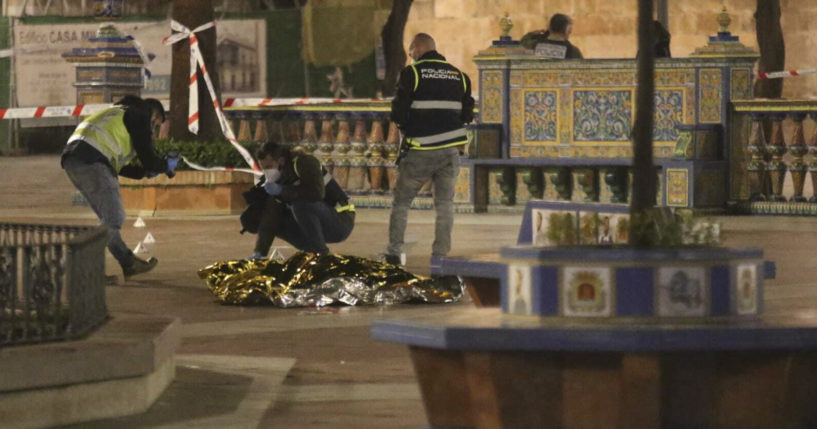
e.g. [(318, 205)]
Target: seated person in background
[(303, 204), (554, 43), (662, 39)]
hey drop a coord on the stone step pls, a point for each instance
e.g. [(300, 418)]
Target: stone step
[(118, 370)]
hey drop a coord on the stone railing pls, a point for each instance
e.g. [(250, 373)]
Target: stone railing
[(773, 157), (356, 142), (51, 282)]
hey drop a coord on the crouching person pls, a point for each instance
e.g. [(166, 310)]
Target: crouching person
[(303, 205)]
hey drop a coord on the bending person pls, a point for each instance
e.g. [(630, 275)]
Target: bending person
[(103, 147), (302, 205)]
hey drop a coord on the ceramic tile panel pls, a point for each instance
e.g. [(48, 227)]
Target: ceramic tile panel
[(682, 291), (586, 291)]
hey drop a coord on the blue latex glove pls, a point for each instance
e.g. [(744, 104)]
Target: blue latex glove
[(272, 188), (172, 161)]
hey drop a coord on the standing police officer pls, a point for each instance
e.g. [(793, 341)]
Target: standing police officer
[(432, 106)]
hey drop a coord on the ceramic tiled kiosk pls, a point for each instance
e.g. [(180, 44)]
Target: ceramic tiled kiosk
[(597, 334)]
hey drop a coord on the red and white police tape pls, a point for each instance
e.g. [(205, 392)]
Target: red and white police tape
[(786, 73), (196, 62), (89, 109)]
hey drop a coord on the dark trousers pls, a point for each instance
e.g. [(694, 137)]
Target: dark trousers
[(306, 225)]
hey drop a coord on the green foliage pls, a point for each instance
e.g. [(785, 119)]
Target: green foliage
[(207, 154), (660, 227), (562, 228)]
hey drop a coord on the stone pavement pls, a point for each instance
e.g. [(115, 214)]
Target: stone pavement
[(283, 368)]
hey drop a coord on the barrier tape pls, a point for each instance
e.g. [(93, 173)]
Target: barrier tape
[(786, 73), (197, 61), (195, 166), (89, 109), (4, 53), (52, 111), (266, 102)]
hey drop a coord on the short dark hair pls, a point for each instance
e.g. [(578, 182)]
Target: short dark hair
[(275, 149), (156, 106), (559, 23), (148, 105)]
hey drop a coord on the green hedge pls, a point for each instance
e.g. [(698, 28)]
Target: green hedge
[(207, 154)]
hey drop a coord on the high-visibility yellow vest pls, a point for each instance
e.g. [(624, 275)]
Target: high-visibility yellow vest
[(105, 131)]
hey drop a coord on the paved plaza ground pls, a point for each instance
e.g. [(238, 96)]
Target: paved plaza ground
[(247, 367)]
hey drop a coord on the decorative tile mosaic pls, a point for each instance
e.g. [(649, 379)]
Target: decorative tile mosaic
[(565, 116), (669, 112), (490, 106), (602, 115), (462, 188), (516, 78), (746, 295), (540, 219), (677, 187), (586, 291), (585, 183), (611, 228), (741, 84), (603, 77), (539, 78), (495, 187), (682, 291), (674, 77), (541, 116), (589, 228), (517, 118), (711, 96), (522, 191), (519, 289)]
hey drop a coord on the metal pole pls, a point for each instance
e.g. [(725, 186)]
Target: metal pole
[(663, 13), (644, 176), (14, 144)]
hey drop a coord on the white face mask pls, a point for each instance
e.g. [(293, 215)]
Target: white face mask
[(272, 175)]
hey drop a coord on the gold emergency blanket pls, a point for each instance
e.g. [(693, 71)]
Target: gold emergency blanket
[(308, 279)]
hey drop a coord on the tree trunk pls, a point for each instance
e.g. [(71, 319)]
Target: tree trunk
[(191, 14), (772, 48), (393, 44), (644, 179)]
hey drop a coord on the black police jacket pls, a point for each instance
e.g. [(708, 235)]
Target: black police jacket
[(432, 104)]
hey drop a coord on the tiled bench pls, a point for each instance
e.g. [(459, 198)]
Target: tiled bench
[(479, 368)]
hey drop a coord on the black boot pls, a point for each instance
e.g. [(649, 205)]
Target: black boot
[(139, 266)]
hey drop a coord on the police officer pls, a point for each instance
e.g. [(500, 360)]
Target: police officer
[(305, 206), (101, 148), (432, 105)]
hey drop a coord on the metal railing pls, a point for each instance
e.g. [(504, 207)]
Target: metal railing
[(51, 282)]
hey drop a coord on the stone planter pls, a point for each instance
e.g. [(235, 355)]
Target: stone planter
[(189, 193)]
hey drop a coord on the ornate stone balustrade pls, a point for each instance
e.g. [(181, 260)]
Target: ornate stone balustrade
[(355, 141), (772, 159)]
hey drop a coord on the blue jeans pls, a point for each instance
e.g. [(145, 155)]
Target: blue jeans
[(306, 225), (101, 189)]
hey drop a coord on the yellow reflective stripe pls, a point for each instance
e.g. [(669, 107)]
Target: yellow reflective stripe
[(429, 61), (295, 166), (416, 77), (464, 85), (346, 208), (417, 146)]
